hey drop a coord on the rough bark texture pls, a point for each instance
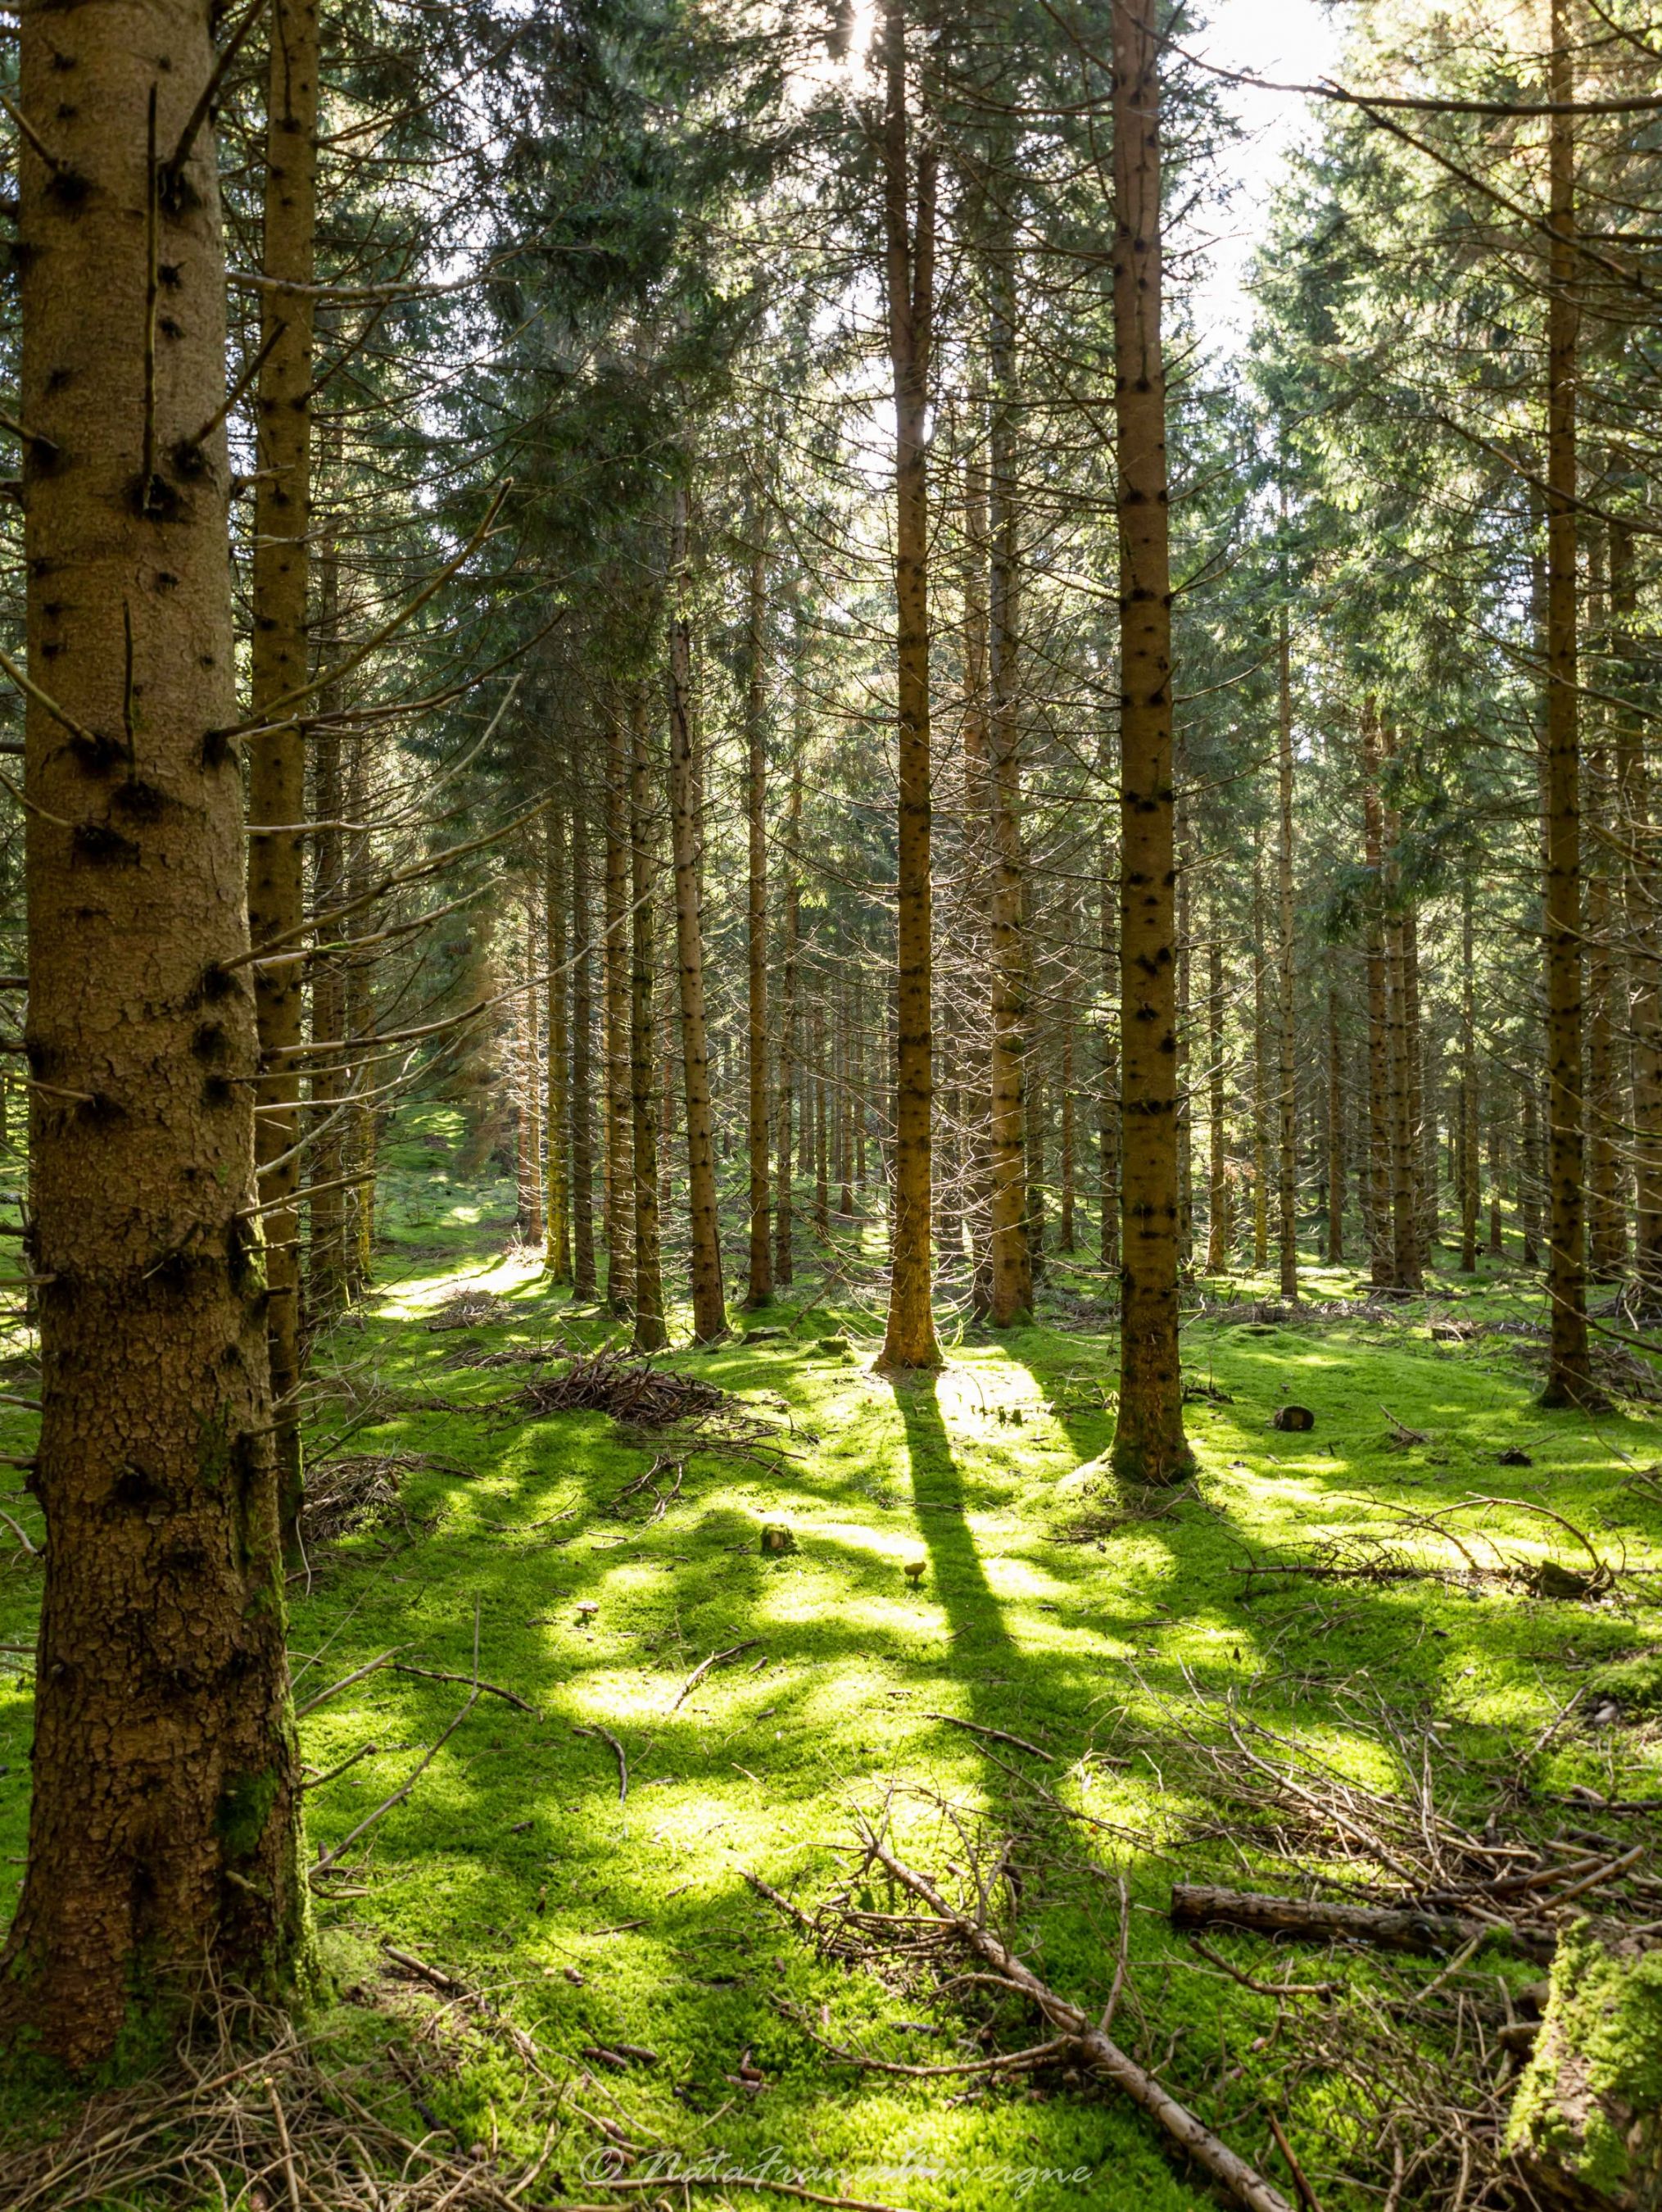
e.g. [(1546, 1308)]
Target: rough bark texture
[(581, 1112), (620, 1165), (325, 1269), (164, 1827), (784, 1214), (1640, 913), (1286, 1084), (759, 1285), (1149, 1445), (280, 669), (686, 832), (1381, 1250), (649, 1334), (557, 1058), (1335, 1254), (1568, 1375), (909, 1340)]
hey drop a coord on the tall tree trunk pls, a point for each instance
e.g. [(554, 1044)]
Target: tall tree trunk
[(1529, 1177), (909, 1340), (1149, 1443), (1640, 902), (1335, 1254), (981, 871), (1220, 1228), (620, 1082), (1185, 1112), (1402, 1053), (1468, 1147), (1108, 1095), (581, 1113), (1285, 1078), (759, 1279), (1013, 1066), (1569, 1380), (1064, 1236), (649, 1334), (1606, 1215), (686, 830), (326, 1283), (362, 1127), (1260, 1078), (164, 1846), (783, 1215), (821, 1182), (277, 753), (1380, 1225), (557, 1067), (533, 1076)]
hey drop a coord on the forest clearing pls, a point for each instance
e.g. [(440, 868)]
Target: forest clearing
[(831, 1120)]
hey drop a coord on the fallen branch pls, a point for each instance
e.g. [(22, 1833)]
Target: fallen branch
[(1392, 1928), (432, 1674), (1090, 2046), (993, 1734), (322, 1696), (623, 1763), (715, 1659)]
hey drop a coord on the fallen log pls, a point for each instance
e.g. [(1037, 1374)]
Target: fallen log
[(1091, 2047), (1392, 1927)]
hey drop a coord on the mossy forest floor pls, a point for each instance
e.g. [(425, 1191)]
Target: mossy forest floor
[(1110, 1635)]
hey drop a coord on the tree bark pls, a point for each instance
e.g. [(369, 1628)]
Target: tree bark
[(363, 1124), (1220, 1226), (784, 1214), (581, 1112), (1148, 1445), (759, 1284), (557, 1059), (649, 1334), (1335, 1127), (1468, 1150), (1403, 1049), (686, 830), (325, 1273), (1286, 1080), (280, 669), (165, 1845), (1640, 913), (1569, 1380), (533, 1078), (1107, 1096), (1380, 1242), (1260, 1078), (620, 1086), (909, 1340)]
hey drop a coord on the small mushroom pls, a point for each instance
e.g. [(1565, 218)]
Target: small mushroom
[(914, 1570), (586, 1609)]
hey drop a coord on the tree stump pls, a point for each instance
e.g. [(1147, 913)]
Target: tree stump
[(1586, 2123)]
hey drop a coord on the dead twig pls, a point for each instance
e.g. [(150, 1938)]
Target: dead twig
[(715, 1659)]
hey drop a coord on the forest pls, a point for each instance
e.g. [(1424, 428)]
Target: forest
[(850, 783)]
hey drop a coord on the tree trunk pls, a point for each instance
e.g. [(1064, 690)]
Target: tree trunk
[(1606, 1216), (1011, 1242), (980, 810), (1403, 1060), (1569, 1376), (784, 1218), (165, 1846), (822, 1179), (557, 1060), (620, 1059), (1107, 1096), (533, 1078), (1640, 913), (909, 1340), (649, 1334), (709, 1298), (362, 1123), (1260, 1079), (1286, 1082), (1529, 1177), (1335, 1128), (326, 1275), (1149, 1443), (1065, 1237), (1220, 1228), (1467, 1176), (1381, 1236), (580, 1115), (759, 1280), (279, 671)]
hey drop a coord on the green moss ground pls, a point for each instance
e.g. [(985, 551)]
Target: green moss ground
[(513, 1866)]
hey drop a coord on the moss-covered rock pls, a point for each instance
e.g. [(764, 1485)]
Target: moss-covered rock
[(1635, 1685), (1586, 2123)]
